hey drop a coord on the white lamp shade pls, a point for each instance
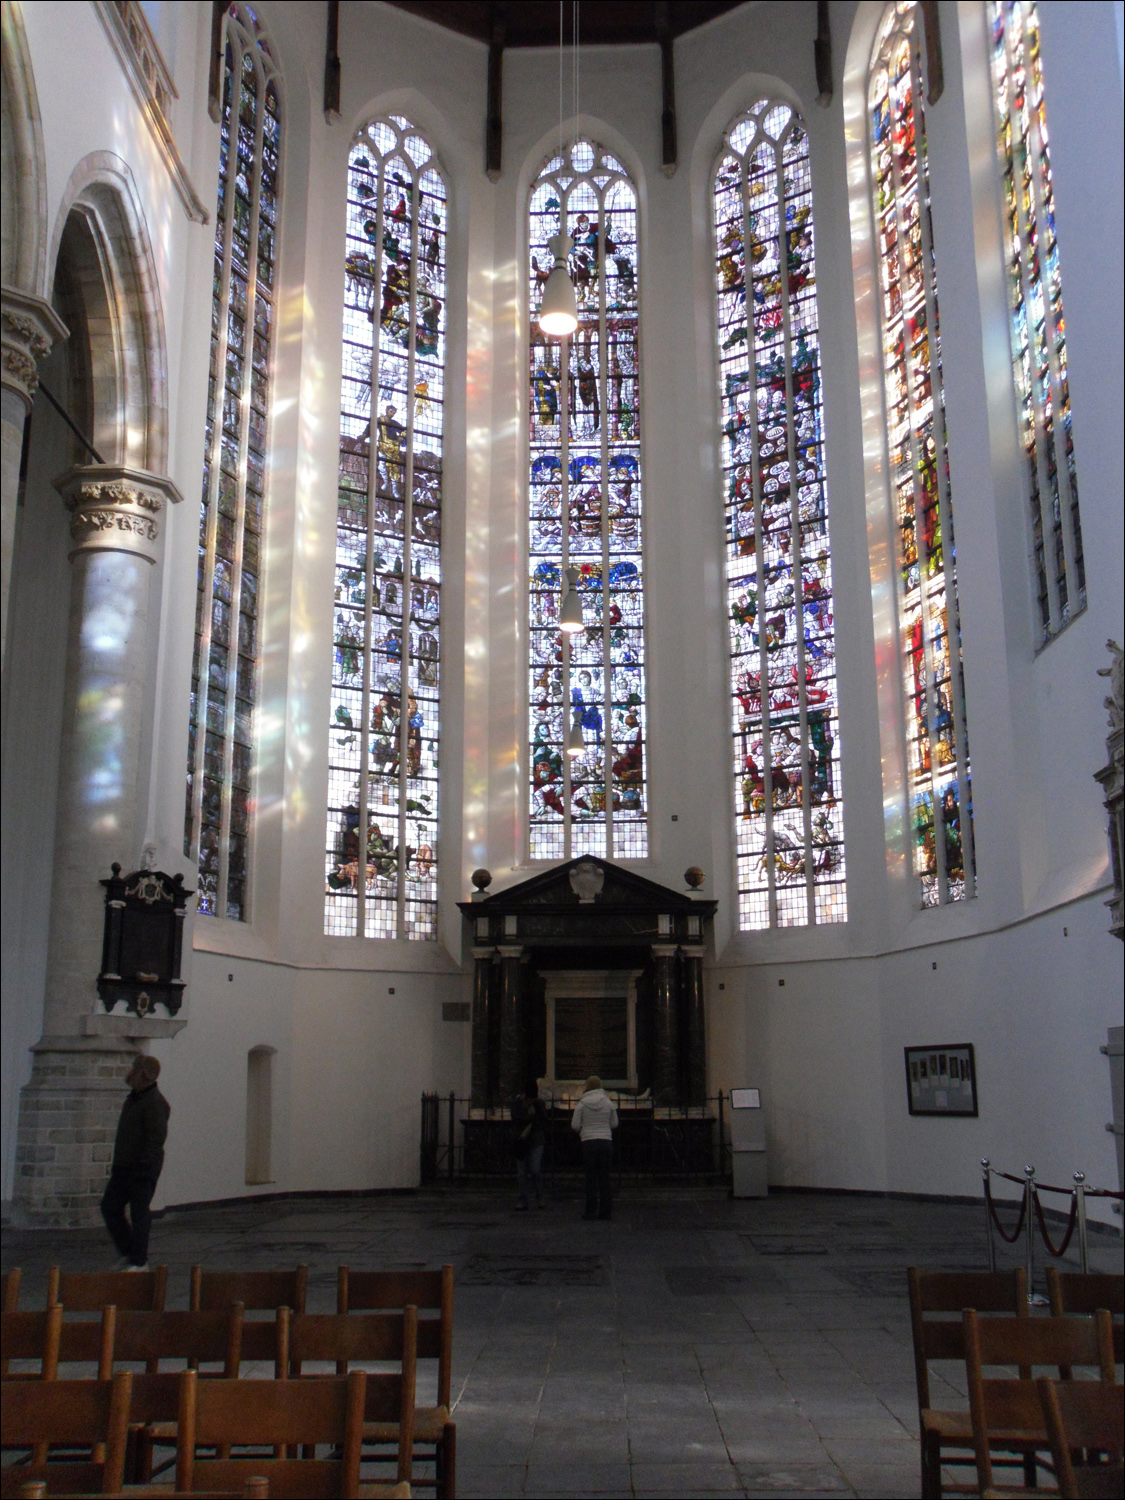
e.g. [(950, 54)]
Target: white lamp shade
[(570, 615), (558, 312), (575, 744)]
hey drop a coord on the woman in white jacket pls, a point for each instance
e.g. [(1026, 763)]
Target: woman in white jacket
[(595, 1120)]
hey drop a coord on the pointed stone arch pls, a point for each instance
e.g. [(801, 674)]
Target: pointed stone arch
[(23, 262)]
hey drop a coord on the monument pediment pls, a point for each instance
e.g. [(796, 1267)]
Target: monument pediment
[(588, 881)]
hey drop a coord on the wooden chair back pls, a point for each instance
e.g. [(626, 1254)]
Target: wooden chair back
[(197, 1338), (30, 1336), (91, 1414), (1084, 1415), (1005, 1405), (12, 1280), (285, 1414), (345, 1339), (88, 1342), (1085, 1292), (90, 1291), (259, 1292), (431, 1292), (949, 1292)]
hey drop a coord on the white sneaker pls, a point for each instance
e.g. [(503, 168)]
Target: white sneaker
[(137, 1268)]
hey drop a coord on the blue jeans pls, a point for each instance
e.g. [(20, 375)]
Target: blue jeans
[(530, 1170), (597, 1158)]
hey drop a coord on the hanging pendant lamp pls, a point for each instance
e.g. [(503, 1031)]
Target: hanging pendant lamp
[(570, 615), (558, 312), (575, 742)]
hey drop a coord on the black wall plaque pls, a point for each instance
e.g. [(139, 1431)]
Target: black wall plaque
[(143, 941)]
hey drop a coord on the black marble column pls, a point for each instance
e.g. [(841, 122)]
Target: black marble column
[(665, 1060), (482, 972), (511, 1023), (695, 1071)]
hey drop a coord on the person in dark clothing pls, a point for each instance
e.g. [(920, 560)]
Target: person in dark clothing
[(529, 1117), (138, 1155)]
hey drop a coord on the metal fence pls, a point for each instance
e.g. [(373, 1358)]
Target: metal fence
[(459, 1142)]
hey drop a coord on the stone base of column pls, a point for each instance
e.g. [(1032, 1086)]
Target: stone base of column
[(68, 1118)]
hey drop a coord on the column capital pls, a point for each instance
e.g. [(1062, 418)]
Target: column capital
[(664, 950), (511, 950), (29, 328), (114, 508)]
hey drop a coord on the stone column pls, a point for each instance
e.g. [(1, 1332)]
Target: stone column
[(29, 327), (68, 1109), (665, 1051), (696, 1070), (482, 972), (511, 1023)]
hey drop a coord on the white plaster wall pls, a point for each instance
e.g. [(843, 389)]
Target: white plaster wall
[(351, 1059)]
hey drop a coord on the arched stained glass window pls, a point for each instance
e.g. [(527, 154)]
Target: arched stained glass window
[(1037, 323), (383, 733), (937, 744), (225, 663), (585, 512), (789, 838)]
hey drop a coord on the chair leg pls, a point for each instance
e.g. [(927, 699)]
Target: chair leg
[(931, 1467), (447, 1462)]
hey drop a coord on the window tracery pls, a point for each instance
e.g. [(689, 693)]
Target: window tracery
[(937, 747), (1038, 328), (789, 813), (381, 865), (225, 661), (585, 511)]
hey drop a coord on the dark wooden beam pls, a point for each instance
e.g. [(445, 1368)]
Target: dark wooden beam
[(215, 73), (332, 62), (822, 55), (662, 14), (494, 121), (935, 67)]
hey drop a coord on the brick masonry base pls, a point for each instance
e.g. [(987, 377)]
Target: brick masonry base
[(68, 1118)]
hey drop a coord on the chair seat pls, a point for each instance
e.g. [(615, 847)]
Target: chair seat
[(377, 1491), (956, 1429), (428, 1424)]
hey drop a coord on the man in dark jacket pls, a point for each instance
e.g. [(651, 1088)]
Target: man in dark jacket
[(138, 1155)]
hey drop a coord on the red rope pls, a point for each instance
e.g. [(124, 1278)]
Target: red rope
[(1073, 1219), (1009, 1239), (1007, 1176), (1104, 1193)]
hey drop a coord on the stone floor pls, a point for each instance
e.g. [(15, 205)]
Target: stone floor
[(692, 1345)]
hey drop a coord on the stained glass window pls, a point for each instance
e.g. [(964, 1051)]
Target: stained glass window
[(225, 662), (1037, 323), (937, 744), (383, 733), (789, 830), (585, 512)]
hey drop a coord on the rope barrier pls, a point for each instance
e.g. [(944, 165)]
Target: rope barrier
[(1009, 1239), (1071, 1222)]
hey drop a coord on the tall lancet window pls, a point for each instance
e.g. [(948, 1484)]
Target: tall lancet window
[(1037, 323), (383, 732), (225, 663), (789, 814), (585, 513), (937, 745)]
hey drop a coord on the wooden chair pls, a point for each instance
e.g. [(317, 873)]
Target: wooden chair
[(345, 1339), (258, 1291), (90, 1291), (153, 1338), (284, 1414), (88, 1414), (1084, 1292), (12, 1289), (1006, 1413), (30, 1336), (89, 1342), (431, 1292), (1089, 1416), (947, 1436)]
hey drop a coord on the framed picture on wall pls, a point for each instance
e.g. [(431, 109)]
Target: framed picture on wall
[(941, 1080)]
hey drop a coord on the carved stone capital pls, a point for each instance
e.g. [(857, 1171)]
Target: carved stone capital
[(29, 329), (115, 509)]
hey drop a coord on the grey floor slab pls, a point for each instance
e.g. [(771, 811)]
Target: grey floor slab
[(755, 1348)]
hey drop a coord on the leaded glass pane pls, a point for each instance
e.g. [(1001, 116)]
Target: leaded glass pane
[(224, 668), (937, 746), (585, 510), (789, 829), (382, 837), (1039, 358)]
